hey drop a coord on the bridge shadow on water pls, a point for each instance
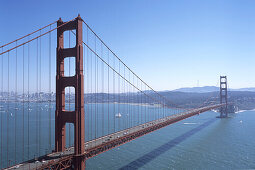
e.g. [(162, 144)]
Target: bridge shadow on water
[(138, 163)]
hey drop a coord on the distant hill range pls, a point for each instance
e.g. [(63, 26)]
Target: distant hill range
[(243, 99), (208, 89)]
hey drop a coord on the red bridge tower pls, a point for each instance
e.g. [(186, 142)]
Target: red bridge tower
[(223, 97), (77, 81)]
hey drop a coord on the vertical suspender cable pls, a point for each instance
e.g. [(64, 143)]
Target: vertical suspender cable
[(86, 108), (85, 88), (91, 89), (159, 107), (119, 98), (163, 101), (124, 92), (141, 103), (147, 116), (15, 116), (87, 85), (108, 95), (85, 72), (138, 102), (122, 109), (69, 99), (50, 90), (2, 85), (95, 93), (23, 105), (148, 104), (145, 106), (28, 108), (141, 100), (127, 96), (91, 92), (113, 77), (97, 90), (165, 113), (160, 113), (156, 109), (129, 106), (162, 107), (133, 97), (8, 111), (124, 106), (102, 92), (138, 97), (37, 97), (40, 110)]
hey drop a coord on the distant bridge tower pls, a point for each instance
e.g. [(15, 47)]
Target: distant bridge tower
[(223, 96), (63, 116)]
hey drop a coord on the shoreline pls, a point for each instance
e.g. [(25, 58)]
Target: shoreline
[(122, 103)]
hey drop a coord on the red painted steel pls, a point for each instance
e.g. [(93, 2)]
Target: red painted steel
[(223, 96), (77, 81)]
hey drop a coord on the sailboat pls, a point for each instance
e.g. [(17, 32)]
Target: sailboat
[(118, 115)]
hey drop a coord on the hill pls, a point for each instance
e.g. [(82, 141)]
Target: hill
[(207, 89)]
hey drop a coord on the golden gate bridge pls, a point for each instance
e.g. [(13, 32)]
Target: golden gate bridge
[(58, 121)]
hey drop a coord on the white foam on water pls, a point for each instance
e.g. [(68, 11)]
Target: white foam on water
[(240, 111), (189, 123)]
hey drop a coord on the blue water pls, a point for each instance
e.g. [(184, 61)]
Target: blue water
[(27, 129), (199, 142)]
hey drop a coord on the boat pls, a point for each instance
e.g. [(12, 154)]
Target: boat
[(118, 115)]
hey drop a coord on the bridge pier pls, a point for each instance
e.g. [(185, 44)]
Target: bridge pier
[(77, 81)]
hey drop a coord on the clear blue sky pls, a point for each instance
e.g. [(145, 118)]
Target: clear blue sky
[(169, 43)]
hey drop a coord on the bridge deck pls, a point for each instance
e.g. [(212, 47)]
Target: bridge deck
[(102, 144)]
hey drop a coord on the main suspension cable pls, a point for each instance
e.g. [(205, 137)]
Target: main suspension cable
[(116, 71), (36, 37), (28, 34), (129, 68)]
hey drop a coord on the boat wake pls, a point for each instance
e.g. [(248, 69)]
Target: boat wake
[(190, 123)]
